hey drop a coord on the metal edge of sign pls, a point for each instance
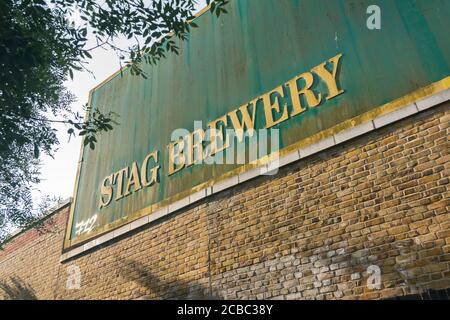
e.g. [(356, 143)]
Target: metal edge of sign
[(422, 93), (75, 189)]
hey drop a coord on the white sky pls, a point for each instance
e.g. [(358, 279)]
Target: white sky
[(58, 174)]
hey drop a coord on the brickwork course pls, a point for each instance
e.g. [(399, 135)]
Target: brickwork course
[(310, 232)]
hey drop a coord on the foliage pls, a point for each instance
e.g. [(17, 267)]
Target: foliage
[(41, 45)]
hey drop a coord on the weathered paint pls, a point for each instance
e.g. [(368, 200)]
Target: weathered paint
[(228, 62)]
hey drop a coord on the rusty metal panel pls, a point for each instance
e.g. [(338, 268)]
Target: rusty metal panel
[(228, 62)]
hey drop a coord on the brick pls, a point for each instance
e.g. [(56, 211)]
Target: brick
[(308, 232)]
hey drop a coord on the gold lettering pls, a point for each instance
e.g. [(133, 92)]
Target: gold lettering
[(243, 121), (269, 106), (216, 134), (330, 78), (247, 121), (106, 191), (154, 170), (118, 177), (310, 97), (176, 158), (133, 180)]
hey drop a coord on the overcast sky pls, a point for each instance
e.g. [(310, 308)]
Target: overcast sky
[(58, 174)]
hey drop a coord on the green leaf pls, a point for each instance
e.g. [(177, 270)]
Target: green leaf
[(36, 150)]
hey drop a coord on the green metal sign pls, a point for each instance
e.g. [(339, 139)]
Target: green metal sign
[(301, 69)]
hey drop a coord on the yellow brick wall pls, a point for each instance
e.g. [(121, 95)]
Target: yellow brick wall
[(310, 232)]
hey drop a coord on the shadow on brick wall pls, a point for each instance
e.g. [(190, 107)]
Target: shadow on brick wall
[(154, 287), (16, 289)]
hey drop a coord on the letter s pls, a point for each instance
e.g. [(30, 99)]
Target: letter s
[(106, 191)]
